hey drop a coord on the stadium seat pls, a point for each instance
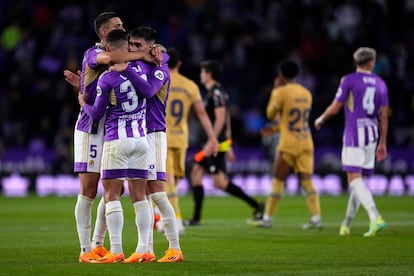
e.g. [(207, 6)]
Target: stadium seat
[(45, 185), (377, 184), (396, 186), (292, 185), (409, 180), (332, 184), (15, 185), (66, 185)]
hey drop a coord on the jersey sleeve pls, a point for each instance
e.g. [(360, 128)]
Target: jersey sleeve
[(98, 109), (195, 92), (219, 98), (384, 95), (274, 104), (91, 56), (343, 90), (165, 59), (148, 88)]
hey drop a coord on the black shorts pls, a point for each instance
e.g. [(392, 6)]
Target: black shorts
[(215, 164)]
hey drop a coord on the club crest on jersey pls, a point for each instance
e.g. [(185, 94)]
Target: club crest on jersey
[(159, 75), (91, 164)]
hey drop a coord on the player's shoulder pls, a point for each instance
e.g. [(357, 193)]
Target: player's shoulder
[(106, 75), (95, 49), (350, 76)]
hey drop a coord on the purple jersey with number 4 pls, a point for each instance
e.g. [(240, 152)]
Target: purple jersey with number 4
[(362, 95)]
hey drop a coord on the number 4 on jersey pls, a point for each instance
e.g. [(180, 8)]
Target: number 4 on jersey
[(368, 100)]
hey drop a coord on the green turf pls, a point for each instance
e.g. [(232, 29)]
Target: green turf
[(38, 237)]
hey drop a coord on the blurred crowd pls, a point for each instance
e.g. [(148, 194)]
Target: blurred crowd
[(39, 39)]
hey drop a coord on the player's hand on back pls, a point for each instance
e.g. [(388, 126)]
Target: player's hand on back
[(82, 98)]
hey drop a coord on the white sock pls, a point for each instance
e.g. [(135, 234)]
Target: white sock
[(365, 197), (83, 209), (115, 222), (100, 225), (351, 209), (168, 219), (143, 222), (266, 217), (151, 234), (315, 218)]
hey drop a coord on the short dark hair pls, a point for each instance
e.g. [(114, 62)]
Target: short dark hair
[(102, 19), (174, 57), (116, 38), (212, 66), (289, 69), (145, 32)]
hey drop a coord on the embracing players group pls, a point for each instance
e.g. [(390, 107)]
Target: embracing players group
[(134, 108)]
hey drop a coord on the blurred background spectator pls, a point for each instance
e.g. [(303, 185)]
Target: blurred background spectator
[(39, 39)]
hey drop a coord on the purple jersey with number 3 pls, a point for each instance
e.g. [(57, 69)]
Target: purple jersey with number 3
[(362, 95), (125, 109)]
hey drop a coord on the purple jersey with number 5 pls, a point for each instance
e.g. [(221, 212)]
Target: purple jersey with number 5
[(91, 71), (362, 95)]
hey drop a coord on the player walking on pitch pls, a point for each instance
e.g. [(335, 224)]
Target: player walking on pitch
[(364, 97)]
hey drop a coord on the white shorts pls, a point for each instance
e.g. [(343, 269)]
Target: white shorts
[(88, 150), (125, 158), (157, 158), (359, 159)]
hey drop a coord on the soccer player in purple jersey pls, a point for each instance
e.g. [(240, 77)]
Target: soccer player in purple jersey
[(125, 150), (88, 137), (141, 40), (364, 97)]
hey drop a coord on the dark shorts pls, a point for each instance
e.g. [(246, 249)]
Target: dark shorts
[(215, 164)]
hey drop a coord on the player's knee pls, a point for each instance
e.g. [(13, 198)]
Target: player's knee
[(171, 189), (276, 195), (278, 187), (307, 185)]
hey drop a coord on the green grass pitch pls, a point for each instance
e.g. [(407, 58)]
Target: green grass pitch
[(38, 237)]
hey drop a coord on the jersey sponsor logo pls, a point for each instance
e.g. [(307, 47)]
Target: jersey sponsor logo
[(159, 75), (98, 91)]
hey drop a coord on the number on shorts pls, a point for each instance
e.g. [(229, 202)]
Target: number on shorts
[(93, 151)]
